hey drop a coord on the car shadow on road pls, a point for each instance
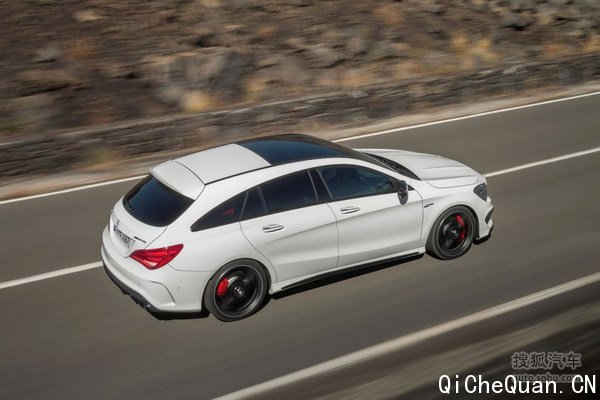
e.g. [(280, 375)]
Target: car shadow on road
[(174, 316), (323, 280)]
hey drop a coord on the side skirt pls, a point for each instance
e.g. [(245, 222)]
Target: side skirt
[(339, 271)]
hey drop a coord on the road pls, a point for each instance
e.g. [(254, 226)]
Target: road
[(76, 336)]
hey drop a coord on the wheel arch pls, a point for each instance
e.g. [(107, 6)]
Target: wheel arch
[(475, 218), (446, 208)]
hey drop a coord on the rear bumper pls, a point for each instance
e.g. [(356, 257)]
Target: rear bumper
[(138, 298), (164, 290)]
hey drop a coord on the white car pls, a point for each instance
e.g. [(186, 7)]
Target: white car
[(218, 229)]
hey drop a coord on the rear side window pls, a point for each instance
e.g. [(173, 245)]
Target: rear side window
[(223, 214), (288, 192), (254, 205), (154, 203)]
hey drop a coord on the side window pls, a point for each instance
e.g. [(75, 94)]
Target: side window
[(223, 214), (254, 205), (322, 193), (288, 192), (348, 181)]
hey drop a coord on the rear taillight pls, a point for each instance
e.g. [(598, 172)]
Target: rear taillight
[(156, 258)]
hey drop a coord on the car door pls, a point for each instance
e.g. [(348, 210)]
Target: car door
[(298, 234), (372, 222)]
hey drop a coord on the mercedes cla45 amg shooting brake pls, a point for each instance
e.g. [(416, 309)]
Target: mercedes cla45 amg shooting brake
[(221, 228)]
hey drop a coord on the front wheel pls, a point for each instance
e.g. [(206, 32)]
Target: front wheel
[(452, 234), (236, 291)]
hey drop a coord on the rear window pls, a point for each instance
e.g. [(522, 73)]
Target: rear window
[(154, 203)]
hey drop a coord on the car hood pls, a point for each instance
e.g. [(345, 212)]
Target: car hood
[(438, 171)]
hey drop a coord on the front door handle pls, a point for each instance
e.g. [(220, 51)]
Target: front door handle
[(272, 228), (349, 209)]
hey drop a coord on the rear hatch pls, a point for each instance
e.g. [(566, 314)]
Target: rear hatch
[(144, 213)]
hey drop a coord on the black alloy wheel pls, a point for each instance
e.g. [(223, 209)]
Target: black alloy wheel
[(237, 290), (452, 234)]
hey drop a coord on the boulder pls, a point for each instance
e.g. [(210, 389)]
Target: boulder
[(357, 45), (212, 70), (434, 8), (322, 56), (47, 54), (385, 49), (577, 34), (203, 37), (37, 110), (86, 16), (519, 6), (517, 21)]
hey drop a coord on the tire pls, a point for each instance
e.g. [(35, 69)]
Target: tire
[(452, 234), (236, 291)]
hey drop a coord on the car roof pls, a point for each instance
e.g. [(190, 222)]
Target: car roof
[(249, 155), (221, 162)]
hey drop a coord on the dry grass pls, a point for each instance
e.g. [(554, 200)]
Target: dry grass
[(102, 159), (197, 101), (552, 50), (9, 126), (390, 14), (421, 64), (80, 49), (329, 79), (472, 53), (360, 77), (255, 88), (266, 32), (407, 70), (592, 45), (459, 44), (211, 3)]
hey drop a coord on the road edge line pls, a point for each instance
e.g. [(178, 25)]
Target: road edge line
[(463, 117), (543, 162), (48, 275), (377, 133)]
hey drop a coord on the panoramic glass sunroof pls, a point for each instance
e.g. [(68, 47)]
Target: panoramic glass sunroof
[(281, 151)]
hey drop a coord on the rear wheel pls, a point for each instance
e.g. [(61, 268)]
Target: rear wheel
[(236, 291), (452, 234)]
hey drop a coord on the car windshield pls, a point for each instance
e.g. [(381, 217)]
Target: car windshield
[(154, 203)]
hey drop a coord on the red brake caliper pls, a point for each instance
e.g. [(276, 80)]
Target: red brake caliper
[(222, 287), (463, 229)]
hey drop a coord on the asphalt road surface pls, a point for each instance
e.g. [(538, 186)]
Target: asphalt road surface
[(77, 336)]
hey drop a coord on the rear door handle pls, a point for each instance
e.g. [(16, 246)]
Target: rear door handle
[(349, 209), (272, 228)]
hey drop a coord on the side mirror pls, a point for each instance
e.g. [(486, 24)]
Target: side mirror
[(403, 192)]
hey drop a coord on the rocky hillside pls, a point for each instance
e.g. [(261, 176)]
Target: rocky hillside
[(73, 63)]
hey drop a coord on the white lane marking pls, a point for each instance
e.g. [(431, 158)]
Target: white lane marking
[(65, 271), (406, 341), (75, 189), (542, 162), (48, 275), (448, 120), (378, 133)]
